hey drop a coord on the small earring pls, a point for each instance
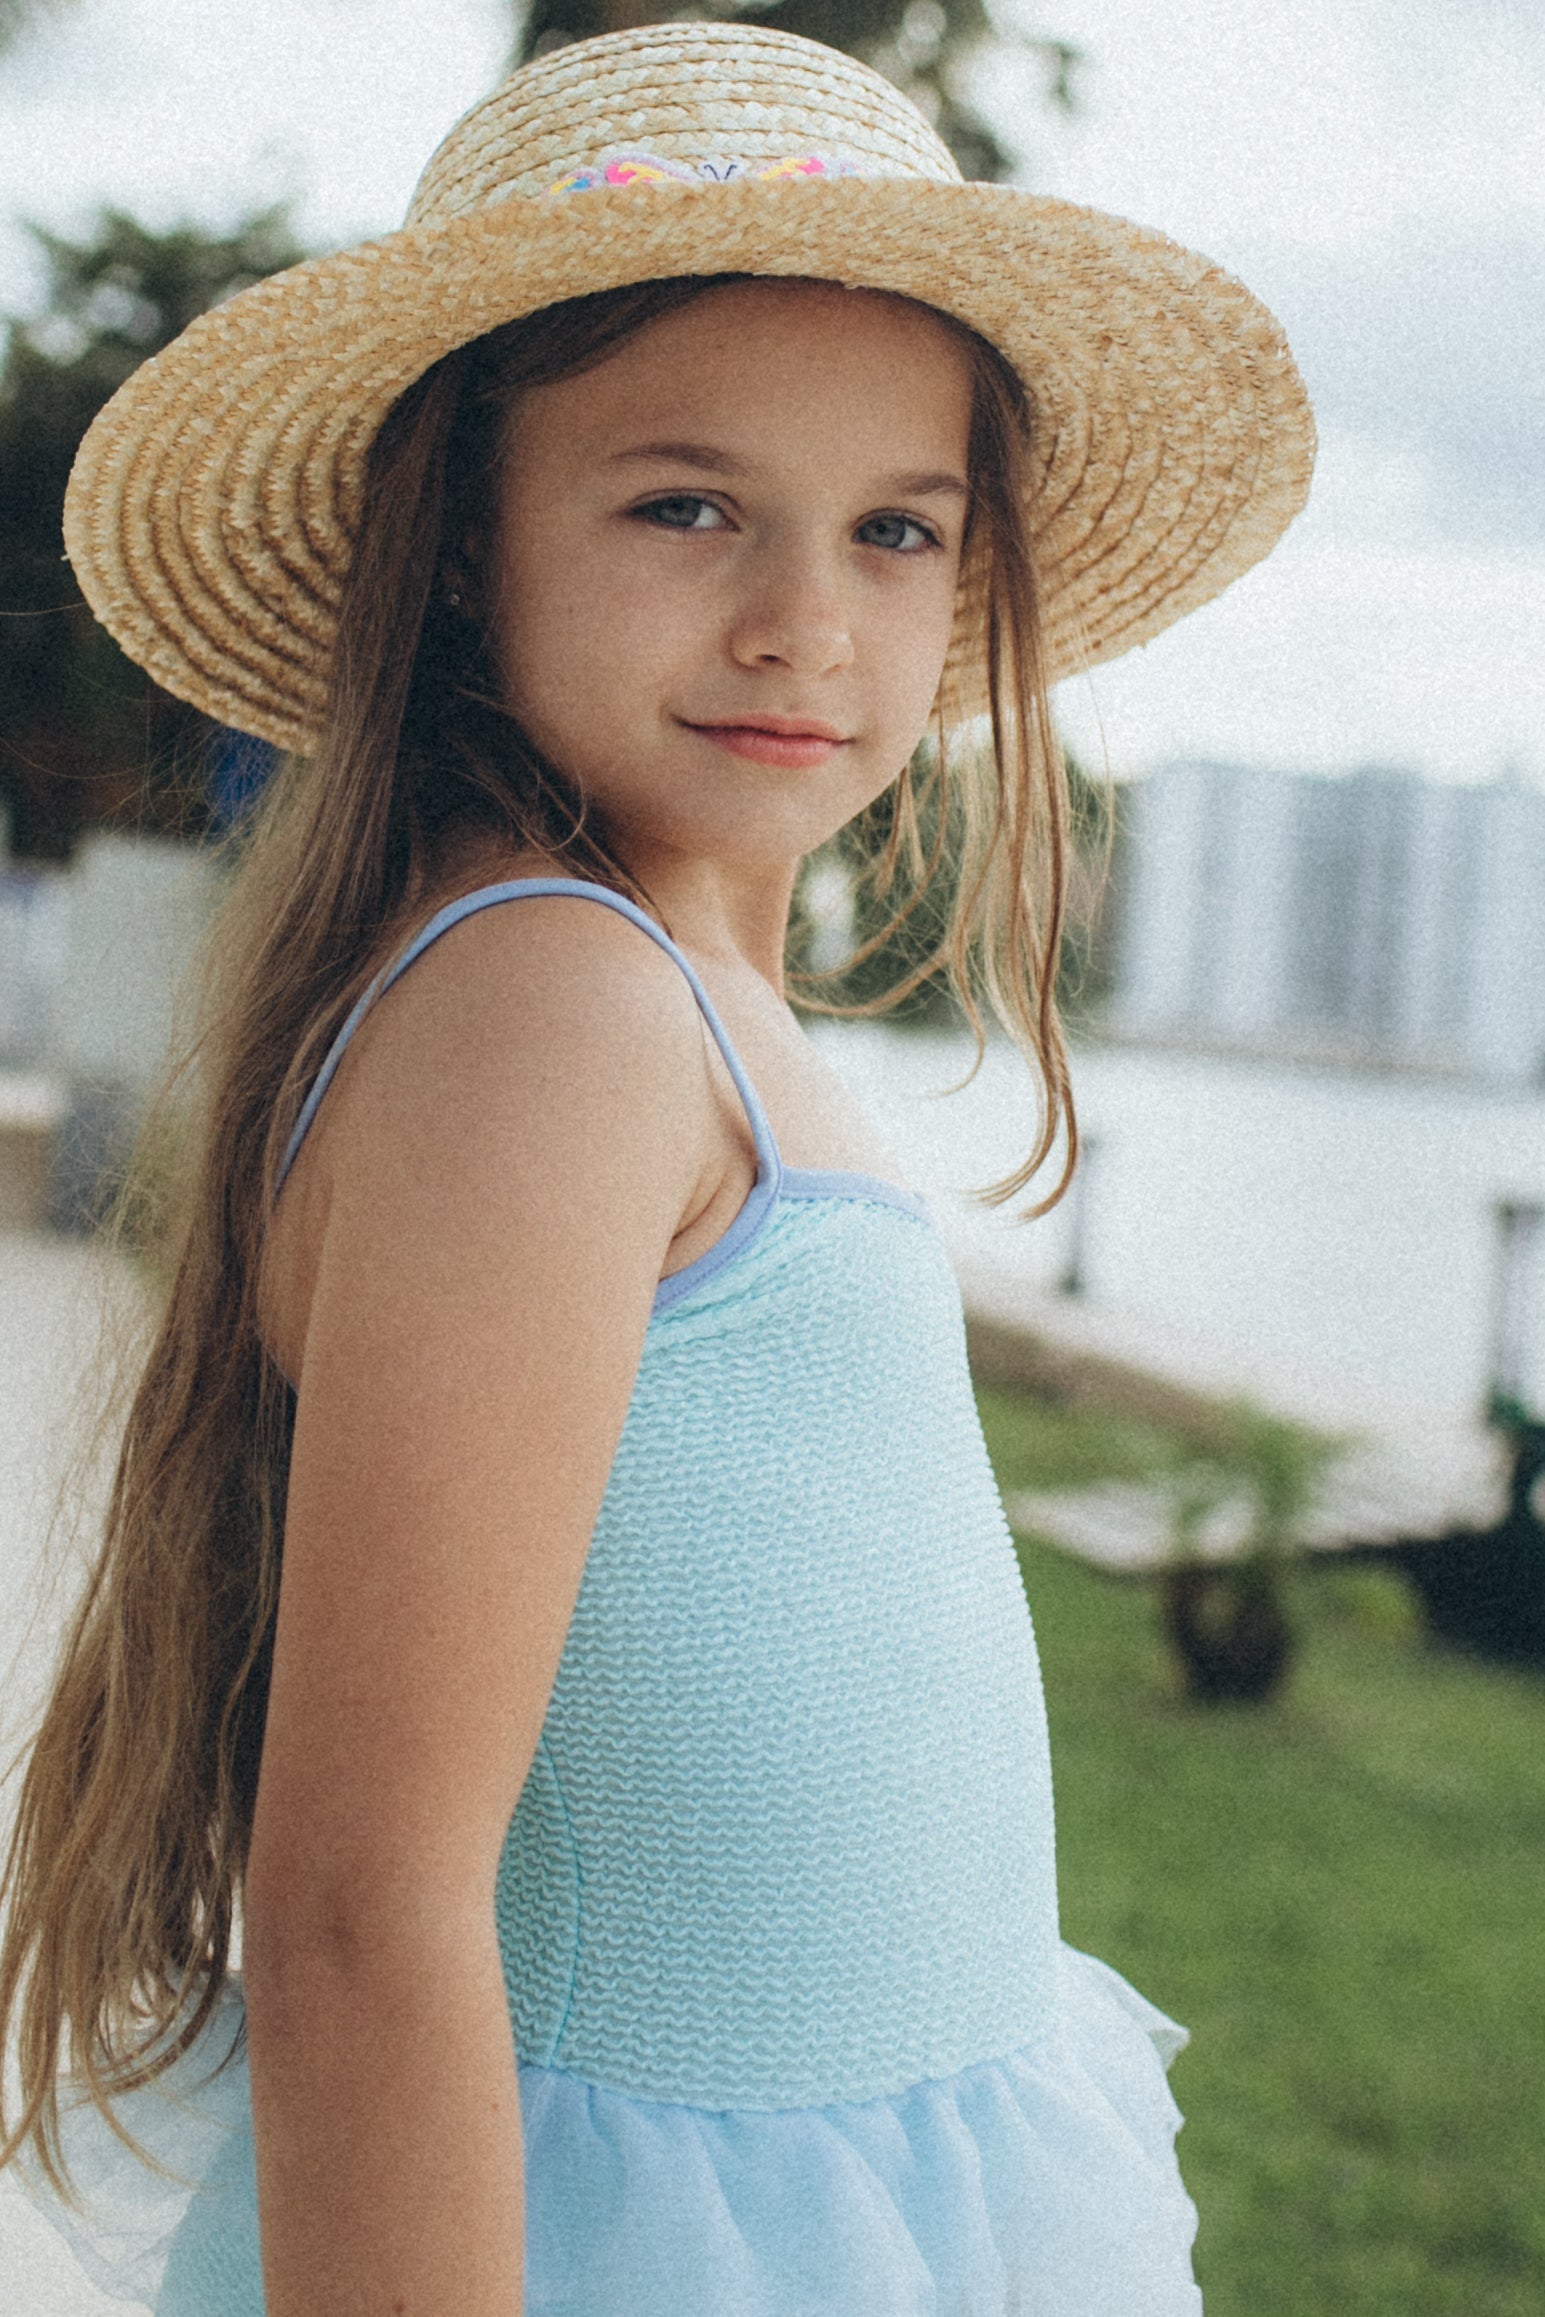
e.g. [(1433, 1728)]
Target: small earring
[(453, 598)]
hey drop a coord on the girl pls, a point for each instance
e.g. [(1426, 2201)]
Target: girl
[(554, 1586)]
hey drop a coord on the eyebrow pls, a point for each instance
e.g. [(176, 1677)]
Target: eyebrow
[(708, 461)]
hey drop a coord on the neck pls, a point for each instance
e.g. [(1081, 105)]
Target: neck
[(735, 911)]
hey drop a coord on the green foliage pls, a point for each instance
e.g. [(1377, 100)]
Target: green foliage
[(84, 735), (922, 45), (19, 16), (1340, 1894), (1087, 971), (1282, 1465), (1278, 1465), (1228, 1623), (1044, 1444), (854, 853), (1087, 976)]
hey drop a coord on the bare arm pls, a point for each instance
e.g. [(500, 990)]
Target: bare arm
[(510, 1155)]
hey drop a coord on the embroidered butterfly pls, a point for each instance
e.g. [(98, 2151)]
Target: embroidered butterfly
[(719, 169)]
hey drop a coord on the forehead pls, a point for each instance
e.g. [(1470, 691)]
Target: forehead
[(810, 361)]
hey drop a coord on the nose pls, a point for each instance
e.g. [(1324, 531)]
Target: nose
[(793, 614)]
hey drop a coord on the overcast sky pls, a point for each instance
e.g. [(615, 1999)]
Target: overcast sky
[(1371, 167)]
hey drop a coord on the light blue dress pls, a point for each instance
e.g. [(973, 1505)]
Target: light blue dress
[(797, 2033)]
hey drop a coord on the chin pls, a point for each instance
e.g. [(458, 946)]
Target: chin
[(768, 832)]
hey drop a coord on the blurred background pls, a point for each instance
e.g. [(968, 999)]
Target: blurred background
[(1266, 1392)]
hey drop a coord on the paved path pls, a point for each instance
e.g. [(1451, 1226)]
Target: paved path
[(54, 1296), (1406, 1468)]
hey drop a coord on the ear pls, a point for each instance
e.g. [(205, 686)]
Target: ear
[(460, 581), (466, 577)]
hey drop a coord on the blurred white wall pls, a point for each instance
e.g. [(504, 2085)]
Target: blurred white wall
[(136, 908), (95, 978), (1373, 918)]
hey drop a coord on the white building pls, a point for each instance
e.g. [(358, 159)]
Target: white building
[(1374, 918), (95, 968)]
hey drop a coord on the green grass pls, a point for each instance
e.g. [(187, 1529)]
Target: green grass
[(1341, 1893)]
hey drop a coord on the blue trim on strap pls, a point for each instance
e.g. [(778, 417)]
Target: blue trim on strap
[(519, 889), (769, 1167), (772, 1177), (840, 1183)]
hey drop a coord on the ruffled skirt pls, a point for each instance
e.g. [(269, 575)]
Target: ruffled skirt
[(1043, 2184)]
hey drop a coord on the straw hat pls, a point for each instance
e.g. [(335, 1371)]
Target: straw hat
[(213, 505)]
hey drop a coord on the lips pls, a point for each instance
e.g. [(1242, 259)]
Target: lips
[(792, 727), (795, 741)]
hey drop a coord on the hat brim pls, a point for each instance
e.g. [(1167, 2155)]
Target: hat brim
[(212, 508)]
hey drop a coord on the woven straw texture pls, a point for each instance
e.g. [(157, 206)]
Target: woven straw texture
[(213, 505)]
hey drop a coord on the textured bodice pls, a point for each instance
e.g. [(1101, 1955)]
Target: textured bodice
[(787, 1838)]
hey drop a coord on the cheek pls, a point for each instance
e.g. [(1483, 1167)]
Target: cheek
[(571, 645), (910, 656)]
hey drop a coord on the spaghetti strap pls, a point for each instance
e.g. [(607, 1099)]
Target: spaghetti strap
[(769, 1165)]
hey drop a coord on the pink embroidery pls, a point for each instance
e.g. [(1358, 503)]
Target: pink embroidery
[(650, 169), (640, 169)]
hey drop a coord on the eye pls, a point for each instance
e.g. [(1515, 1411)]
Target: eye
[(902, 534), (682, 511)]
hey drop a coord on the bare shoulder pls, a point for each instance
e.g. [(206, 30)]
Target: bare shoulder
[(552, 997), (504, 1155), (539, 1070), (551, 989)]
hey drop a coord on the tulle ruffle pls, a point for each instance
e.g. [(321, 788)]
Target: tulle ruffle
[(1043, 2184), (191, 2121)]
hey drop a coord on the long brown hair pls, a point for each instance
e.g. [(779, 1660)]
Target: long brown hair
[(124, 1868)]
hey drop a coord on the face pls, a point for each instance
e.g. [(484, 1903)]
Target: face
[(726, 571)]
